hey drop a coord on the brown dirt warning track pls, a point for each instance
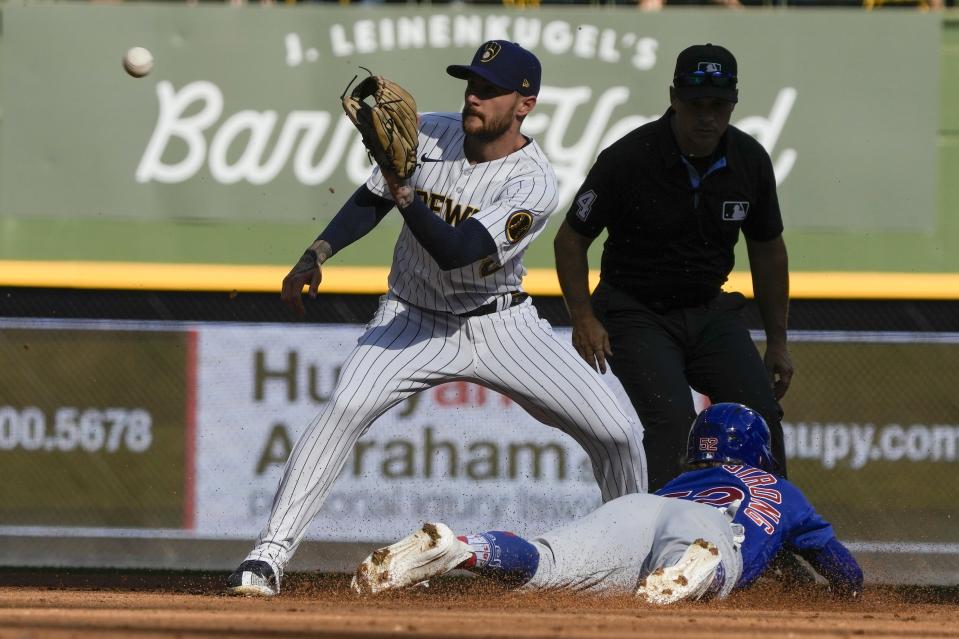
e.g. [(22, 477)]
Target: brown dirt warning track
[(87, 605)]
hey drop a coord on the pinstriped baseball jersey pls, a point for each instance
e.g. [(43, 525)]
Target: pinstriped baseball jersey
[(418, 338), (512, 197)]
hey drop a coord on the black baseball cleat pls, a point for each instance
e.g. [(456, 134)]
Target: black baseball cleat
[(254, 578)]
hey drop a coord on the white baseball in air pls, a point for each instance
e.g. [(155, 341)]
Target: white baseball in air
[(138, 62)]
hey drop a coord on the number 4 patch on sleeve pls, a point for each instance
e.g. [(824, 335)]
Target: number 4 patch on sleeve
[(584, 203)]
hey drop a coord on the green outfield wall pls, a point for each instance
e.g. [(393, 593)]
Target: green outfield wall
[(99, 437), (234, 149)]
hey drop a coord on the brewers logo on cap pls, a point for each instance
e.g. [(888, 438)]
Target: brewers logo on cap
[(491, 50), (518, 225)]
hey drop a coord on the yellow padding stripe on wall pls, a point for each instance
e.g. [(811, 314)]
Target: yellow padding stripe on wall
[(372, 279)]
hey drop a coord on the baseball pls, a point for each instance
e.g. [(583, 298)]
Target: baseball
[(138, 62)]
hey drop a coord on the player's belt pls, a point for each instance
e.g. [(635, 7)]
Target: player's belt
[(486, 309)]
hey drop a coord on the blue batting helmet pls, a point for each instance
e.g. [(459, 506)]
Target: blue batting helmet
[(730, 433)]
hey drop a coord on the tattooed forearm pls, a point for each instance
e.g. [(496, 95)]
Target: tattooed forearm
[(401, 190), (403, 195), (307, 262), (323, 250)]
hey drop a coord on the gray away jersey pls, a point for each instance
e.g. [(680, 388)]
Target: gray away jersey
[(512, 197)]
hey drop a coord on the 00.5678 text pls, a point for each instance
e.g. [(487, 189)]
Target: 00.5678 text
[(88, 429)]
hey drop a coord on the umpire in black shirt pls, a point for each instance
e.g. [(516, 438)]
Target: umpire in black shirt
[(674, 195)]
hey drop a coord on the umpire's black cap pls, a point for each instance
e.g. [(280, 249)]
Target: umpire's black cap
[(706, 71), (505, 64)]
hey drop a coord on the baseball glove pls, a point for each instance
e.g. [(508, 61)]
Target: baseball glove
[(389, 127)]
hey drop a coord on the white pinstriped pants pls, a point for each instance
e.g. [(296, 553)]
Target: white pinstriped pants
[(405, 350)]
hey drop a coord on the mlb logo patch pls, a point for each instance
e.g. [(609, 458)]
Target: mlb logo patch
[(709, 444), (735, 211), (709, 67)]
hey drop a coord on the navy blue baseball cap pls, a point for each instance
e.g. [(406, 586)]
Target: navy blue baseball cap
[(505, 64), (706, 71)]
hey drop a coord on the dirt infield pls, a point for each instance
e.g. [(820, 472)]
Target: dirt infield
[(99, 605)]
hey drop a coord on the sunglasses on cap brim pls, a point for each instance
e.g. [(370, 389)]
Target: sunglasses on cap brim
[(704, 78)]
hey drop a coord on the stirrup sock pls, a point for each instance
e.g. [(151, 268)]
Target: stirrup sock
[(501, 556)]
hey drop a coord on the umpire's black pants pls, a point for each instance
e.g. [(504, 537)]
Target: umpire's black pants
[(658, 356)]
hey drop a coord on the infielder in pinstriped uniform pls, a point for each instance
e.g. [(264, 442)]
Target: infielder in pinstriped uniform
[(455, 309)]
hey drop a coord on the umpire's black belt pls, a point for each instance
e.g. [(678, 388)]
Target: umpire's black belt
[(665, 304), (516, 298)]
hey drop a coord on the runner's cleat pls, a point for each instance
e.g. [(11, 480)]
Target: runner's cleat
[(688, 579), (429, 552)]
